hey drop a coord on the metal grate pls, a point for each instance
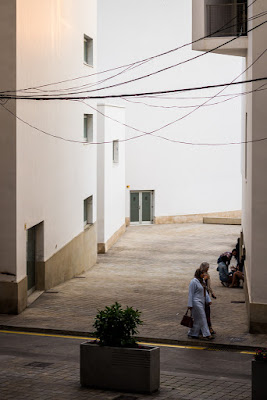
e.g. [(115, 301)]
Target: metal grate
[(37, 364), (237, 302), (122, 397)]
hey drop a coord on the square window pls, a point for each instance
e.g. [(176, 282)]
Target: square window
[(88, 50), (88, 127), (115, 151), (88, 211)]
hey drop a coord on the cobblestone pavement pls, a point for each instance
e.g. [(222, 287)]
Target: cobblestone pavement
[(149, 268), (27, 379)]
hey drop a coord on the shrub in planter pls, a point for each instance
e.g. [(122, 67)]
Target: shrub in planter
[(259, 375), (116, 327), (116, 361)]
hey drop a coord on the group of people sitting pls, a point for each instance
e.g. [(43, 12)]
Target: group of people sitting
[(230, 269)]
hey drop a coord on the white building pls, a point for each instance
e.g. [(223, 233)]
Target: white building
[(110, 176), (247, 21), (48, 185), (169, 182)]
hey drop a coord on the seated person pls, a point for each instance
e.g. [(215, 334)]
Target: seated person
[(231, 258), (222, 268), (233, 261), (238, 274), (228, 256)]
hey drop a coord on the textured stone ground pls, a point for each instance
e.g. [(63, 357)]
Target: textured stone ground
[(149, 268), (23, 379)]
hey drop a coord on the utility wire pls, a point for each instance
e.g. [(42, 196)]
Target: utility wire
[(229, 97), (201, 105), (162, 69), (142, 133), (152, 133), (13, 97), (144, 60)]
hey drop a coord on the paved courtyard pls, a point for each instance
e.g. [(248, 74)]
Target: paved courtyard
[(149, 268)]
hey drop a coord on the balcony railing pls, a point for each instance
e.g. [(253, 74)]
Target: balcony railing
[(226, 20)]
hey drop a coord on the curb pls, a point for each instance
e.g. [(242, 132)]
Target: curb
[(159, 341)]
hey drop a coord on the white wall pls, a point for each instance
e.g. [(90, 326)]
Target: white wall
[(254, 187), (110, 175), (186, 179), (53, 177)]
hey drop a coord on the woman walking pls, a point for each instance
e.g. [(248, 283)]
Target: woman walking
[(204, 267), (197, 299)]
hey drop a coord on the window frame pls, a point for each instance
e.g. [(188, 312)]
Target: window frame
[(115, 151), (88, 128), (88, 211), (88, 51)]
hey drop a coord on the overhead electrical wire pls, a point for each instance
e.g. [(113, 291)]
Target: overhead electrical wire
[(39, 98), (206, 101), (152, 73), (72, 97), (229, 97), (132, 66), (152, 133), (144, 60), (142, 133)]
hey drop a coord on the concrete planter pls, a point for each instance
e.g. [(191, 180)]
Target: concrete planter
[(122, 369), (259, 379)]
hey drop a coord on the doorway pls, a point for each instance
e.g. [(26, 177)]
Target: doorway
[(31, 258), (141, 207), (35, 254)]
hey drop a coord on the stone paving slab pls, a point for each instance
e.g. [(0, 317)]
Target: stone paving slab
[(22, 378), (149, 268)]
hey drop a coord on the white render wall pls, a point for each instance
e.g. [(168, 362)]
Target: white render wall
[(254, 187), (186, 179), (110, 175), (53, 177)]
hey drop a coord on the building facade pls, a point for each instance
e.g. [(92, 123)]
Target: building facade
[(166, 181), (47, 165), (246, 24), (110, 176)]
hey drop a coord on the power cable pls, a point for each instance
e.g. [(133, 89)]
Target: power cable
[(201, 105), (229, 97), (13, 97), (142, 133), (140, 61), (166, 68)]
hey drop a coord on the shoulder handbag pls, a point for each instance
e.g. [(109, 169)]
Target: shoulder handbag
[(187, 320)]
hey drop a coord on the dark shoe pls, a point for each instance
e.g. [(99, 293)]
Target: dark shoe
[(208, 337), (212, 332), (193, 337)]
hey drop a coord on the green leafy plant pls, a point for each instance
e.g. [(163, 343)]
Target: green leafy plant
[(116, 327)]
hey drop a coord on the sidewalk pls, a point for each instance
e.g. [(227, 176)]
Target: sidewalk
[(60, 381), (149, 268)]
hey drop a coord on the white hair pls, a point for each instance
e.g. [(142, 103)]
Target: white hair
[(204, 266)]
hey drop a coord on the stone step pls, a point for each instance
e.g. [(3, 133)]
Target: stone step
[(222, 220)]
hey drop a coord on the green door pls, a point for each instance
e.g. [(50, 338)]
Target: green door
[(31, 239), (134, 202), (141, 207), (146, 206)]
